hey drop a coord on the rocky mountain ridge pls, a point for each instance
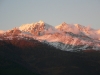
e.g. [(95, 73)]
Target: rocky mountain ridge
[(64, 36)]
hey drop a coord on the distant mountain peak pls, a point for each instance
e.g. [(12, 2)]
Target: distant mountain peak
[(77, 25), (80, 27), (38, 28), (64, 23), (41, 21)]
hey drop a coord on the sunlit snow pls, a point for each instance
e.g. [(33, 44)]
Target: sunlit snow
[(64, 36)]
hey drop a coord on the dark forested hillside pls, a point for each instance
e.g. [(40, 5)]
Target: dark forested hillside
[(19, 57)]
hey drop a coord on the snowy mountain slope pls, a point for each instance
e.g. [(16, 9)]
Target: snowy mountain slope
[(68, 42), (64, 36), (79, 29), (38, 28)]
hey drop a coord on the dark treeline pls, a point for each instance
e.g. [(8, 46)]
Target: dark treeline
[(19, 57)]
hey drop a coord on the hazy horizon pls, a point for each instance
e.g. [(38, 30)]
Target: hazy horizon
[(14, 13)]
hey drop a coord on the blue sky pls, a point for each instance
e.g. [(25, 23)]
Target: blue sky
[(14, 13)]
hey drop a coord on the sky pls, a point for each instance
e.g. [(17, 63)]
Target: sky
[(14, 13)]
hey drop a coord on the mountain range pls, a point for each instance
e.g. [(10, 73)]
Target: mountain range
[(41, 49), (67, 37)]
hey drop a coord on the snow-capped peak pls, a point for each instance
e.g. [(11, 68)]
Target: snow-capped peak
[(67, 28), (81, 28), (77, 25), (41, 21), (38, 28), (61, 25)]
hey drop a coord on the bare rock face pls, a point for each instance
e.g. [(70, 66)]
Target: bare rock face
[(13, 32), (16, 32)]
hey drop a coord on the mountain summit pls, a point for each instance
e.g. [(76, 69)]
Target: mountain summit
[(68, 37), (38, 28)]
